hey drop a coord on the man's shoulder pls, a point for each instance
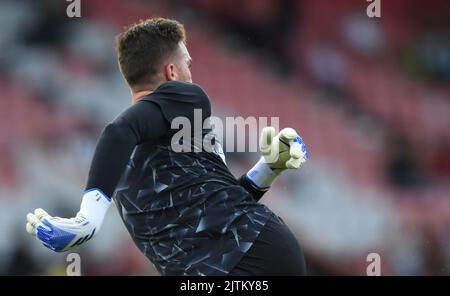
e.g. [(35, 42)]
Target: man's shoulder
[(176, 98), (180, 87)]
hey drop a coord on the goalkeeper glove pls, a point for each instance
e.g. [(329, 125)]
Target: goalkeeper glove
[(279, 153), (61, 234)]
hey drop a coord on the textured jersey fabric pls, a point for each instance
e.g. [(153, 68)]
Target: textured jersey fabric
[(185, 210)]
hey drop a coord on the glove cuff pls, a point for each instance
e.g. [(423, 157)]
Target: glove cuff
[(261, 175), (94, 206)]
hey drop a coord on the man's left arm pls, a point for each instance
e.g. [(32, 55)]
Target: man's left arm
[(279, 153)]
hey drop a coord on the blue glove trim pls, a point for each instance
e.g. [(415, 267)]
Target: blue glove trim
[(55, 239)]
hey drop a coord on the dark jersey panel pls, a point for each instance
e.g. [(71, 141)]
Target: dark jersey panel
[(186, 212)]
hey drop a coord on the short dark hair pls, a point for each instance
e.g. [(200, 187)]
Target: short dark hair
[(142, 47)]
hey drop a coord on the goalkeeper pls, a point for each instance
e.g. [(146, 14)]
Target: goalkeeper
[(184, 210)]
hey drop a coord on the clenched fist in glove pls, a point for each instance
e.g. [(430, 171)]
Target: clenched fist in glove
[(279, 153)]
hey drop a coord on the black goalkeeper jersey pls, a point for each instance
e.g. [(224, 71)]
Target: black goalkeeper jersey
[(184, 210)]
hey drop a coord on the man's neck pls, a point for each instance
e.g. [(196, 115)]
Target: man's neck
[(138, 95)]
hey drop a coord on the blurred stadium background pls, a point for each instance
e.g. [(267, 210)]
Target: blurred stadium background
[(370, 97)]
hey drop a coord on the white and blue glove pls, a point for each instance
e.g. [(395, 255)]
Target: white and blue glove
[(61, 234), (279, 153)]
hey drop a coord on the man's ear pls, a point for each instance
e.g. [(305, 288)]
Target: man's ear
[(169, 72)]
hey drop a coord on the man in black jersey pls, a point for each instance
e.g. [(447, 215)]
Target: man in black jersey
[(184, 210)]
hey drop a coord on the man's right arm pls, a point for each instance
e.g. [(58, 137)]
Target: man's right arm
[(140, 123)]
